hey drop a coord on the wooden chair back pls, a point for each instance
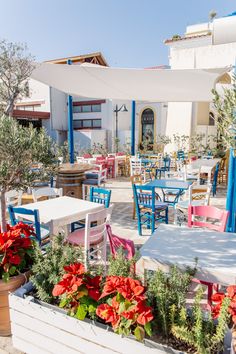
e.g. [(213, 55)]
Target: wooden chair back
[(210, 217)]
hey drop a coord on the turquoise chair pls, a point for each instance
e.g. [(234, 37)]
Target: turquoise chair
[(42, 233), (148, 208), (97, 195)]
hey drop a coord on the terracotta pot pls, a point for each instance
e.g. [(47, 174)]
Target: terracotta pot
[(5, 288)]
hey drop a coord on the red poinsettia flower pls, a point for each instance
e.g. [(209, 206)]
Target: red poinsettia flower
[(75, 268), (107, 313), (15, 259), (218, 297), (93, 286), (231, 291)]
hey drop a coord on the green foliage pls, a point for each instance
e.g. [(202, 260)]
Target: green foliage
[(181, 142), (198, 330), (48, 268), (16, 65), (166, 292), (121, 266), (20, 147), (225, 106)]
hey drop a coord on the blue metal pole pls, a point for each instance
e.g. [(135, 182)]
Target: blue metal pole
[(133, 128), (70, 124), (230, 189)]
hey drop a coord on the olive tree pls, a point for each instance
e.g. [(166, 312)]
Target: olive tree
[(20, 147), (225, 105), (16, 66)]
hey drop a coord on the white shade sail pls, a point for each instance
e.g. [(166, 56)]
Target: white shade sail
[(153, 85)]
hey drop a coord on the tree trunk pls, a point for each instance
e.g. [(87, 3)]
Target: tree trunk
[(3, 212)]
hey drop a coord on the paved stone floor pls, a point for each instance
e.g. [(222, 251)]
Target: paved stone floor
[(122, 225)]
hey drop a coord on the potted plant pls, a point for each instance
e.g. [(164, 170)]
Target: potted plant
[(87, 308), (16, 253)]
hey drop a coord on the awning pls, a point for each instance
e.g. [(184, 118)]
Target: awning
[(153, 85)]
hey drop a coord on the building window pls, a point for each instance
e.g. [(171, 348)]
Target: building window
[(211, 119), (87, 108), (26, 122), (147, 121), (87, 124), (77, 109)]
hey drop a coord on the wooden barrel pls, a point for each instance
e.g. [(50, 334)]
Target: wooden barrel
[(13, 284), (70, 178)]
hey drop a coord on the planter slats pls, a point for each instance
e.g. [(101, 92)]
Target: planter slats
[(21, 344), (59, 336), (54, 331)]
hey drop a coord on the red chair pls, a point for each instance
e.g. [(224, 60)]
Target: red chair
[(110, 165), (215, 215), (101, 160), (87, 156), (117, 242), (120, 154), (218, 218)]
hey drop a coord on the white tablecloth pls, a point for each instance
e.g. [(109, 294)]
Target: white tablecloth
[(62, 211), (170, 244), (202, 163)]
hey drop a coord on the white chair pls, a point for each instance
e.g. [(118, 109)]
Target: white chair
[(13, 198), (198, 195), (93, 237), (95, 177), (46, 192), (135, 166), (191, 173)]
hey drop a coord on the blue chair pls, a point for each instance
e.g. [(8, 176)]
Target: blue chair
[(148, 208), (42, 233), (100, 195), (215, 179), (165, 168), (180, 155), (97, 195)]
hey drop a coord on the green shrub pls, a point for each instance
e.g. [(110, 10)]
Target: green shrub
[(121, 266), (166, 290), (48, 268)]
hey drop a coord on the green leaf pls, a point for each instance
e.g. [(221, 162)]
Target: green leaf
[(139, 333), (109, 301), (128, 323), (92, 309), (119, 298), (12, 270), (81, 312), (122, 308), (5, 277), (148, 328), (63, 302)]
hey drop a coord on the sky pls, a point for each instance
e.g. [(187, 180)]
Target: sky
[(129, 33)]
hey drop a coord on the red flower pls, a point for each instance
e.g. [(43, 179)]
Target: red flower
[(231, 290), (218, 297), (93, 286), (75, 268), (15, 259), (107, 313)]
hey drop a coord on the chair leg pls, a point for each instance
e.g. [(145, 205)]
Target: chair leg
[(134, 211), (139, 227), (153, 222), (166, 216)]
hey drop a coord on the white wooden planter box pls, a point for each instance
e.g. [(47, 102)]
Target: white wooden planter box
[(39, 328)]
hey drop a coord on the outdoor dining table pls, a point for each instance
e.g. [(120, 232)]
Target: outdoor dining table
[(170, 244), (60, 212), (174, 184), (204, 164)]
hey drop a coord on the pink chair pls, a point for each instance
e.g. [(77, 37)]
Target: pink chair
[(120, 154), (101, 160), (110, 165), (218, 218), (87, 156), (117, 242), (221, 217)]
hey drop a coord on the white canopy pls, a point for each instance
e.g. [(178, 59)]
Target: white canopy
[(156, 85)]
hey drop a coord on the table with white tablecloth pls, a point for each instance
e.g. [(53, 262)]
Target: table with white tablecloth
[(60, 212), (170, 244)]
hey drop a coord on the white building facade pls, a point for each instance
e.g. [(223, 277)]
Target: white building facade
[(204, 46)]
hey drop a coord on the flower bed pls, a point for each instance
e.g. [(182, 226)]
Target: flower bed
[(41, 328)]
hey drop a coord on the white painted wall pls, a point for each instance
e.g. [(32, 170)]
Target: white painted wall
[(195, 53)]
